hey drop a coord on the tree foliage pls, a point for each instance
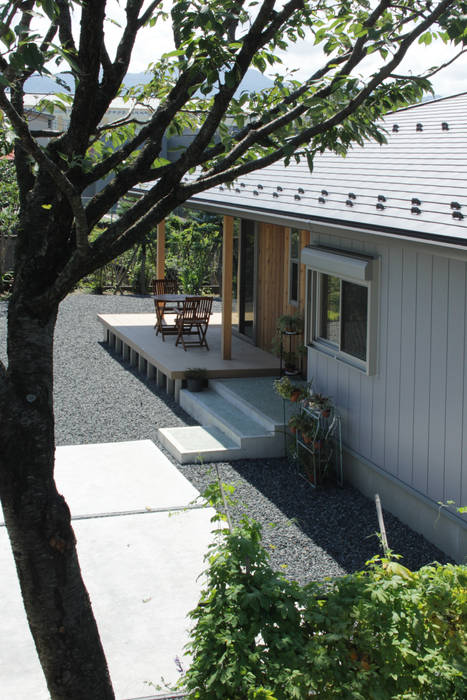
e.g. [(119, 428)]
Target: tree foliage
[(9, 198), (193, 87), (193, 249), (383, 633)]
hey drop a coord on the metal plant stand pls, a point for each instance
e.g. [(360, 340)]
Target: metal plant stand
[(319, 446)]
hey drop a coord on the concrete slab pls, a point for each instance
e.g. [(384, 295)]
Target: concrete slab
[(141, 571), (198, 443), (119, 477)]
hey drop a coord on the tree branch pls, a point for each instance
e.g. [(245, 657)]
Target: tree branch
[(29, 144), (223, 172), (64, 27)]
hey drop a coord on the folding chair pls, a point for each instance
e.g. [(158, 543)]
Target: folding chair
[(164, 286), (193, 320)]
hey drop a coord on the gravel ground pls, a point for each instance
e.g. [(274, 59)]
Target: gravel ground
[(98, 398)]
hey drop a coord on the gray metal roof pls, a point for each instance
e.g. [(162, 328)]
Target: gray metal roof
[(415, 185)]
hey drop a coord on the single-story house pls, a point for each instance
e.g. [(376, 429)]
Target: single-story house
[(373, 248)]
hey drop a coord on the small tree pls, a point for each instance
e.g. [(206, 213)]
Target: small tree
[(194, 87), (192, 252)]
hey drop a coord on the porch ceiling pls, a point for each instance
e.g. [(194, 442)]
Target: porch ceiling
[(137, 331)]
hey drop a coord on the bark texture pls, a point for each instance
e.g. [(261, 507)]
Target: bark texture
[(38, 519)]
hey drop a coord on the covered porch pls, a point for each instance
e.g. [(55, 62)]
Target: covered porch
[(133, 336)]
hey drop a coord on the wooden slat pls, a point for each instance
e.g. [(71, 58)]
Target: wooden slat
[(227, 254), (161, 250)]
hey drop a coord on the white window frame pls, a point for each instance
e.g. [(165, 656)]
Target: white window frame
[(359, 270)]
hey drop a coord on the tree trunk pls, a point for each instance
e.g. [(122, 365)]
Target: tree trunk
[(38, 519)]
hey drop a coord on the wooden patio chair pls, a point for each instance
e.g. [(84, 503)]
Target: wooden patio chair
[(193, 320), (164, 286)]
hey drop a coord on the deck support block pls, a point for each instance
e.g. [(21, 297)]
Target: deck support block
[(133, 357), (178, 386), (150, 371), (118, 345), (160, 379), (170, 386), (125, 351)]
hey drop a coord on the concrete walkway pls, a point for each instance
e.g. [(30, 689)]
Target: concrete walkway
[(140, 566)]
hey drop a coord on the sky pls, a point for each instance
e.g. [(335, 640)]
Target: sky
[(301, 57)]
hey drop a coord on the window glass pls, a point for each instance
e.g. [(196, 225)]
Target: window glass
[(354, 319), (294, 243), (330, 308), (293, 264)]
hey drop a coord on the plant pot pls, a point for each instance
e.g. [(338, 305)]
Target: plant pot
[(306, 438), (195, 385), (295, 395), (293, 430), (290, 371)]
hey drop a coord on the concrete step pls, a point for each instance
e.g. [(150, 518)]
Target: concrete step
[(198, 443), (223, 388), (210, 408), (229, 430)]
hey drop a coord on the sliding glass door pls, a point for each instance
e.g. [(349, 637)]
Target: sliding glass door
[(244, 278)]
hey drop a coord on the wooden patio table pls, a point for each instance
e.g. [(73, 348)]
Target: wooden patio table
[(161, 300)]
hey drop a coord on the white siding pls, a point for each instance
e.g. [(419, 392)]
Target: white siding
[(410, 418)]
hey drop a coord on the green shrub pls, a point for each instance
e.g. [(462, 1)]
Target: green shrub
[(382, 633)]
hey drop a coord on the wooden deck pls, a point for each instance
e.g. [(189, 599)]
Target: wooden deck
[(133, 335)]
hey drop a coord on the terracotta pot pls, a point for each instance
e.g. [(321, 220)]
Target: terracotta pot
[(295, 395), (292, 429)]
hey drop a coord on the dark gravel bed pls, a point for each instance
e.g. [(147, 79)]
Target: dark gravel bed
[(98, 398)]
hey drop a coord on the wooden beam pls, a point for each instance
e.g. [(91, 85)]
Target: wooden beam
[(227, 260), (161, 250)]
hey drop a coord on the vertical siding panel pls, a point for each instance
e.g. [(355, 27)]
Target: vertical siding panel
[(439, 331), (407, 374), (379, 383), (393, 360), (455, 380), (365, 415), (463, 489), (342, 398), (422, 371), (355, 379)]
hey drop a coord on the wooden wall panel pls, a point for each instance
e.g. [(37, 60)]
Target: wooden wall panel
[(273, 280)]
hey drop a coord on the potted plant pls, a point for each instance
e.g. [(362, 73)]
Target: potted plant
[(318, 402), (195, 378), (295, 423), (289, 391), (290, 323)]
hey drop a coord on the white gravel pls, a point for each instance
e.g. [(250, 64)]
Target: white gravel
[(99, 398)]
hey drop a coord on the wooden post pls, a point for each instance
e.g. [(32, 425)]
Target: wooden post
[(227, 260), (161, 250)]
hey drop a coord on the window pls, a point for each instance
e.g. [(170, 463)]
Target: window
[(341, 305), (294, 253)]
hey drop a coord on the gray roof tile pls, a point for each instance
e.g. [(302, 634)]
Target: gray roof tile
[(428, 165)]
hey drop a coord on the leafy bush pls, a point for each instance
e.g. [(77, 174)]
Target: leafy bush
[(9, 198), (192, 251), (382, 633)]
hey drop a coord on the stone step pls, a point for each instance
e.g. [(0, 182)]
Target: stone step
[(229, 430), (198, 444), (223, 388), (210, 408)]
